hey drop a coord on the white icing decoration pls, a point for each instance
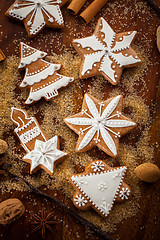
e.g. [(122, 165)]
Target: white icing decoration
[(119, 123), (37, 10), (124, 193), (108, 140), (92, 107), (98, 166), (45, 153), (16, 122), (90, 59), (100, 122), (101, 188), (108, 32), (37, 77), (80, 200), (102, 51), (21, 13), (106, 68), (38, 22), (87, 138), (33, 57), (93, 41), (30, 134), (48, 91), (120, 59), (80, 121), (125, 43), (111, 107)]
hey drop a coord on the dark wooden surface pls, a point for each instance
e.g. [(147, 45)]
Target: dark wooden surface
[(145, 225)]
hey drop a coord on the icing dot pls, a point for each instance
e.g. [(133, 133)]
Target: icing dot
[(121, 38), (113, 66), (88, 71), (50, 20), (129, 32), (15, 5), (29, 23), (88, 48), (126, 54), (116, 76), (136, 57)]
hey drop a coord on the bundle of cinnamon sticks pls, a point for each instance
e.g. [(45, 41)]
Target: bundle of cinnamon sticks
[(90, 11)]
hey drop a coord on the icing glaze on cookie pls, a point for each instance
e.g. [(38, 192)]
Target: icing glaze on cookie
[(100, 123), (106, 52)]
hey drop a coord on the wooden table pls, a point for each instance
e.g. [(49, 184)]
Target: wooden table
[(143, 226)]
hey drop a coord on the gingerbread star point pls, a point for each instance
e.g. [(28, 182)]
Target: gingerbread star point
[(100, 124), (36, 14), (99, 186), (106, 53)]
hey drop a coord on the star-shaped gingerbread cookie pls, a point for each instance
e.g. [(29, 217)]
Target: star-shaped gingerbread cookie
[(36, 14), (106, 53), (99, 186), (100, 124), (45, 155)]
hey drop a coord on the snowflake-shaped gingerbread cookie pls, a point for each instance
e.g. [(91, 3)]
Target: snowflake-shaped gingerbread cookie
[(100, 124), (36, 14), (100, 189), (106, 52)]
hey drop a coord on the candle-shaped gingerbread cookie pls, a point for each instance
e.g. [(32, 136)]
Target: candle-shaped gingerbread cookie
[(41, 152), (28, 130)]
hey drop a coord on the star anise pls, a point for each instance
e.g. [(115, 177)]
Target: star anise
[(43, 221)]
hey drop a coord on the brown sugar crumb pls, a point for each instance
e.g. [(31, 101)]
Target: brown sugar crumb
[(9, 77)]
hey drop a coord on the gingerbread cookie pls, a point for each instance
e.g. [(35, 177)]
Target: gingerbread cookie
[(41, 152), (99, 186), (100, 124), (106, 52), (41, 76), (36, 14)]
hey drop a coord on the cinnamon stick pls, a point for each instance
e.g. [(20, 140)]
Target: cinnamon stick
[(2, 56), (75, 6), (92, 10)]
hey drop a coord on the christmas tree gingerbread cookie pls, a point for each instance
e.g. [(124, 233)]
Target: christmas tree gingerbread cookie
[(106, 53), (41, 153), (100, 124), (36, 14), (41, 76), (99, 186)]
